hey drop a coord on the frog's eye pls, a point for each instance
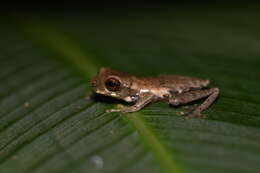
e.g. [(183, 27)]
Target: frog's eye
[(113, 84)]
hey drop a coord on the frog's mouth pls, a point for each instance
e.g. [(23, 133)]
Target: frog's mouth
[(127, 98), (114, 95)]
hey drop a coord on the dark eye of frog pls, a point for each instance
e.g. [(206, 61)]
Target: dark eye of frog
[(113, 84)]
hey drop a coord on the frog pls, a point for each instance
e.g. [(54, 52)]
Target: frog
[(173, 89)]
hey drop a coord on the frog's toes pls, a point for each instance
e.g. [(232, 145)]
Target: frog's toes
[(113, 110), (181, 113), (190, 114), (194, 114), (187, 111)]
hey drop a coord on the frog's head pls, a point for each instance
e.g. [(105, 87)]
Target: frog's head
[(113, 83)]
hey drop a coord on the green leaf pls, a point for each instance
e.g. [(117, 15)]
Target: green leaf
[(48, 125)]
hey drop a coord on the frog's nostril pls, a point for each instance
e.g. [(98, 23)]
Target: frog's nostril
[(94, 83)]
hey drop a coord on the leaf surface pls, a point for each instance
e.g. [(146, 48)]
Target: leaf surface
[(47, 124)]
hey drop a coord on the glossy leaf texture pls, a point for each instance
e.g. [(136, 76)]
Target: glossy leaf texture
[(47, 124)]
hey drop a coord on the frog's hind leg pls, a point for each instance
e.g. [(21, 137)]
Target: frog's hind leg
[(189, 96)]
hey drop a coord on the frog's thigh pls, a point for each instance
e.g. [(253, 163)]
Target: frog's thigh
[(189, 96)]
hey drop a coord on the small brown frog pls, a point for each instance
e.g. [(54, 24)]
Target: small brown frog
[(174, 89)]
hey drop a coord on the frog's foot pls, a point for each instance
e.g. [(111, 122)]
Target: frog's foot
[(194, 114), (187, 110), (124, 110), (120, 108), (113, 110), (191, 113)]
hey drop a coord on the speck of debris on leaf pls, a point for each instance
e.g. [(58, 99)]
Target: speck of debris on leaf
[(26, 104), (112, 132), (14, 157), (98, 161)]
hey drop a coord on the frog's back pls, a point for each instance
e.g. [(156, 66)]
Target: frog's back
[(182, 83)]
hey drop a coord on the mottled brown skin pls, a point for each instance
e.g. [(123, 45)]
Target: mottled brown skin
[(174, 89)]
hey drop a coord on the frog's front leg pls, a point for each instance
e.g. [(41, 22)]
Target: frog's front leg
[(144, 99), (189, 96)]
